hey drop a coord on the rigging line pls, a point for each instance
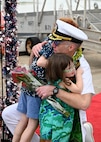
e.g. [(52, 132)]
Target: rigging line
[(93, 16)]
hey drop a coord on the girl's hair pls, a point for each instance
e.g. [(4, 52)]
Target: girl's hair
[(56, 66)]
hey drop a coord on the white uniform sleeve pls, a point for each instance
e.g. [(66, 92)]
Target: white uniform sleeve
[(87, 77), (87, 88)]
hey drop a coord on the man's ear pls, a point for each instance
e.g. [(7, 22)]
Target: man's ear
[(71, 48)]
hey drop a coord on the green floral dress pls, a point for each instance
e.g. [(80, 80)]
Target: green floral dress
[(54, 125)]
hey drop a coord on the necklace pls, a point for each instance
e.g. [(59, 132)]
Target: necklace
[(76, 57)]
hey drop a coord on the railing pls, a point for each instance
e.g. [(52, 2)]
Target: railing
[(94, 40)]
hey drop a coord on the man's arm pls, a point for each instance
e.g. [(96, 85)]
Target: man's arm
[(75, 100)]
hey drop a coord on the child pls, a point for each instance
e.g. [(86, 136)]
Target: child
[(61, 72), (29, 104)]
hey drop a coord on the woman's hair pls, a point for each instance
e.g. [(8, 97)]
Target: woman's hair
[(56, 66)]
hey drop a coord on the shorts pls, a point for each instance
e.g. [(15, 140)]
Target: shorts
[(29, 105)]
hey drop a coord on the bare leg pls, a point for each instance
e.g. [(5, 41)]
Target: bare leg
[(12, 117), (29, 131), (20, 128)]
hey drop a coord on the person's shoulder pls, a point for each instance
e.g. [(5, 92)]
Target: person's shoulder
[(83, 61)]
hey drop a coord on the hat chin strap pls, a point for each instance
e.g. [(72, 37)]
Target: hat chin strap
[(61, 37)]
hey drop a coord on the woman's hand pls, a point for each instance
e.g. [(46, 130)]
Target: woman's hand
[(36, 48)]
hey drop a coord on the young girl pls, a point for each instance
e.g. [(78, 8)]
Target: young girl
[(61, 72), (29, 102)]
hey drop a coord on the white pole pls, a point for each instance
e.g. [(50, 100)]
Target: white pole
[(71, 4), (37, 11), (37, 6), (84, 23), (33, 5), (55, 9), (69, 8), (89, 4)]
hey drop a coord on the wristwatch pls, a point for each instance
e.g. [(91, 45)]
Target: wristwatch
[(55, 91)]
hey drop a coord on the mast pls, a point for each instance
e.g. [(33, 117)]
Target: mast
[(55, 10), (85, 6), (77, 4), (69, 8), (33, 5)]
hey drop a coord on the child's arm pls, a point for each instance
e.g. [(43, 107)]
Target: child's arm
[(46, 52), (76, 88), (35, 51), (42, 62)]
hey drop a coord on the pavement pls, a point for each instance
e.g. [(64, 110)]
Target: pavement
[(93, 58)]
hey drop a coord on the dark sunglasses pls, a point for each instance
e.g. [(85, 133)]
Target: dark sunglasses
[(57, 42)]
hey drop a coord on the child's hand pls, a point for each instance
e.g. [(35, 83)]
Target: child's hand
[(36, 48), (67, 81)]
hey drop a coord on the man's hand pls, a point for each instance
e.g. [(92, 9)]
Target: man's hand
[(45, 91), (37, 48)]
